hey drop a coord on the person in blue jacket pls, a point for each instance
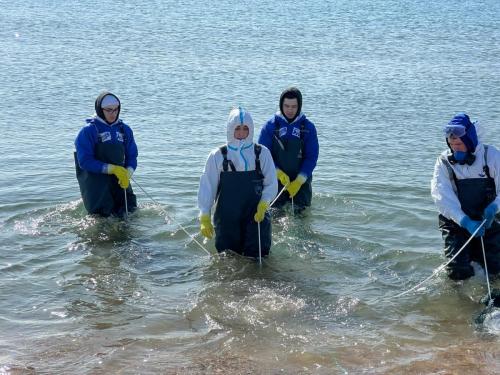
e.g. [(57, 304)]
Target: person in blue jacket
[(105, 159), (293, 142)]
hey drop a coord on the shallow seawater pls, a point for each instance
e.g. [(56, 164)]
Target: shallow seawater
[(87, 295)]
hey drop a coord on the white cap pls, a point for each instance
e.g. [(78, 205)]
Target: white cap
[(109, 101)]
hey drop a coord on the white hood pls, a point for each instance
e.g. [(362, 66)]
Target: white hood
[(242, 155), (239, 116)]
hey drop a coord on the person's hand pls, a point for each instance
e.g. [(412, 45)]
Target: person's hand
[(283, 177), (472, 225), (121, 173), (295, 185), (489, 214), (206, 227), (261, 211)]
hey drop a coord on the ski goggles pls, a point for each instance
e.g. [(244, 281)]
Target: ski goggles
[(456, 130)]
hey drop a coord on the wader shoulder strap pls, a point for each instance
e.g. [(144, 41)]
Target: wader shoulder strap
[(451, 172), (276, 134), (276, 130), (257, 149), (99, 140), (486, 169), (302, 131), (122, 130), (226, 162)]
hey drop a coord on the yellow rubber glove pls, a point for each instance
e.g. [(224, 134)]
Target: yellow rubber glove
[(121, 173), (295, 185), (206, 227), (261, 211), (283, 177)]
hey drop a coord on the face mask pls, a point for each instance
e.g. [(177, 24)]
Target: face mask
[(461, 158), (459, 155)]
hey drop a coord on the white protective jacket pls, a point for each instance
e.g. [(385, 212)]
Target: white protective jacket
[(242, 154), (443, 189)]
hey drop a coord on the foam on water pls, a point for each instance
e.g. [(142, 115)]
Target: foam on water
[(491, 322)]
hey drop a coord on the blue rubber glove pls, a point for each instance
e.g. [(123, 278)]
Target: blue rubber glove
[(489, 214), (472, 225)]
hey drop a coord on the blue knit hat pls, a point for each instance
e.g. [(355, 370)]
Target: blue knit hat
[(470, 136)]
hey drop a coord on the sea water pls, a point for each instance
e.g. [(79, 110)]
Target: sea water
[(379, 79)]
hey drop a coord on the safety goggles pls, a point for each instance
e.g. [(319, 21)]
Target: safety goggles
[(456, 130)]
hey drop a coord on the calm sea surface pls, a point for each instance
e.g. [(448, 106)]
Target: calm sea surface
[(80, 295)]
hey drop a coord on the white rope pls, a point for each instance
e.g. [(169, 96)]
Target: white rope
[(486, 269), (437, 270), (170, 218), (260, 247), (281, 192), (126, 204), (258, 223)]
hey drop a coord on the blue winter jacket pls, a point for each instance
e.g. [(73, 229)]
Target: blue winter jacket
[(286, 131), (88, 137)]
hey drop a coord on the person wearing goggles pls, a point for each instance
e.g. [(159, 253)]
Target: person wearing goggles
[(466, 190)]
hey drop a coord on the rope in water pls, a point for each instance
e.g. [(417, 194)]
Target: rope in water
[(486, 269), (126, 204), (258, 224), (275, 199), (189, 234), (437, 270), (260, 246), (170, 218), (434, 273)]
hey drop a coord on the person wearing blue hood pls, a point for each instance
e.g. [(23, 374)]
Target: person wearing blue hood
[(105, 159), (293, 142), (466, 189), (241, 179)]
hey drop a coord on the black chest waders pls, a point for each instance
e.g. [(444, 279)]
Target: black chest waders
[(474, 195), (288, 156), (238, 195), (101, 193)]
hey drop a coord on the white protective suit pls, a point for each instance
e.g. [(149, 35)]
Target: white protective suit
[(242, 154), (443, 189)]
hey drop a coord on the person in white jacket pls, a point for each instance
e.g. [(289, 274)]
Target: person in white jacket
[(240, 178), (466, 189)]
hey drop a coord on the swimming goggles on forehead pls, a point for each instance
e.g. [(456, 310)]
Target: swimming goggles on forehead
[(456, 130)]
